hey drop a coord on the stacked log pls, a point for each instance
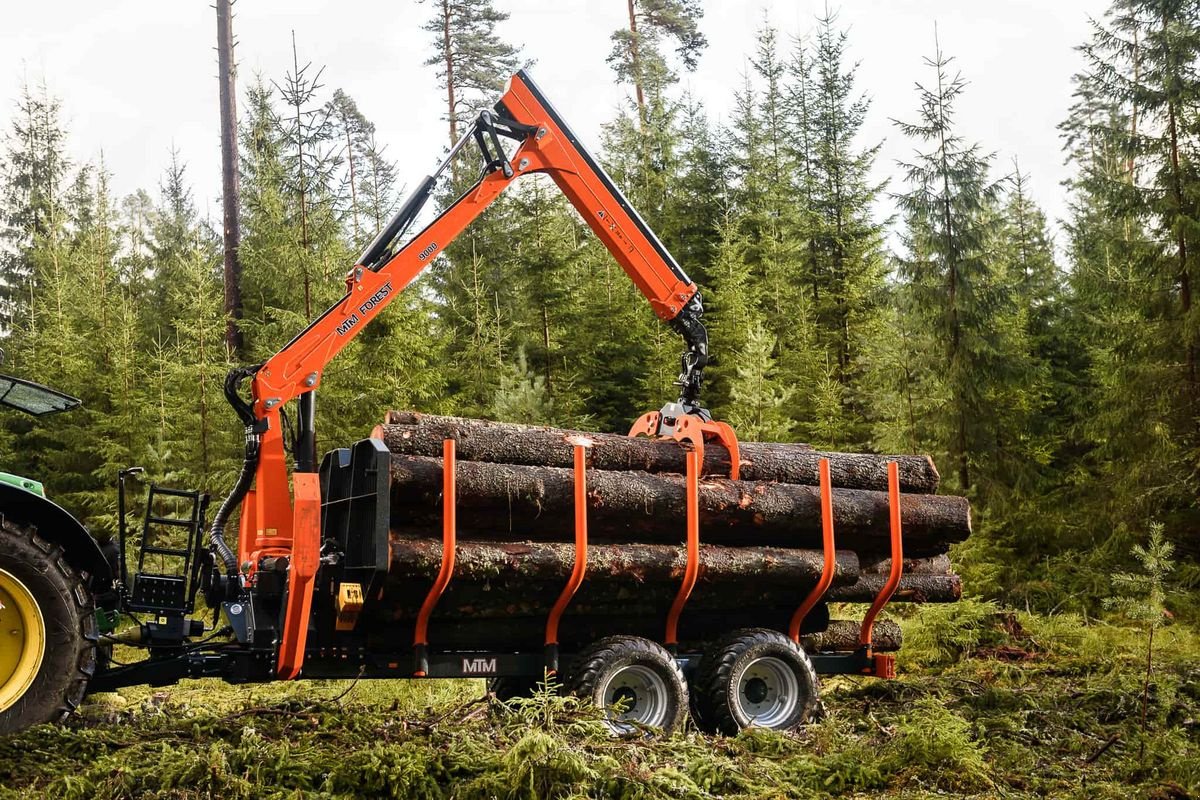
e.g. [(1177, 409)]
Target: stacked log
[(761, 534)]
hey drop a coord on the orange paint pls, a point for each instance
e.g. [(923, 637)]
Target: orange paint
[(827, 544)]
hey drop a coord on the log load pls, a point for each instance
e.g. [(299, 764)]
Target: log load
[(483, 561), (414, 434), (639, 506), (843, 634)]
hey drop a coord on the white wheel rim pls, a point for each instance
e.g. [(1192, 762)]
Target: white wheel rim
[(768, 693), (635, 694)]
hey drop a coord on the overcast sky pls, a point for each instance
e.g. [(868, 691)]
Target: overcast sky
[(138, 77)]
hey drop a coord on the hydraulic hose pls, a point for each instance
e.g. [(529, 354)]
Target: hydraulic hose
[(232, 501), (249, 467)]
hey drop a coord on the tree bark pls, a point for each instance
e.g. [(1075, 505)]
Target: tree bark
[(517, 502), (932, 565), (912, 589), (411, 433), (842, 635), (637, 563), (231, 229)]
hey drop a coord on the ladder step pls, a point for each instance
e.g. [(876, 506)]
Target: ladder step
[(174, 522), (165, 492), (150, 550)]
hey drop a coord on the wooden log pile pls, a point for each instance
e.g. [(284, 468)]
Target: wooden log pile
[(761, 534)]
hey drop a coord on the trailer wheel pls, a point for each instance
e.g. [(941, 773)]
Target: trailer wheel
[(636, 681), (755, 677), (47, 631)]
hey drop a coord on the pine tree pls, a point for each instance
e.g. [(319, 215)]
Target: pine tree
[(637, 56), (472, 60)]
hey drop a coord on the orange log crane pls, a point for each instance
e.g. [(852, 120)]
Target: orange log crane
[(280, 523), (300, 587)]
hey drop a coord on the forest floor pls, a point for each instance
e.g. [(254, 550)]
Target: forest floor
[(987, 704)]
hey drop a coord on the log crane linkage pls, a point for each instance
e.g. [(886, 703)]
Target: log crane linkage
[(280, 528)]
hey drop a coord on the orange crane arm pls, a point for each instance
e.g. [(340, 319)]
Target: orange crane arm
[(546, 145), (278, 513)]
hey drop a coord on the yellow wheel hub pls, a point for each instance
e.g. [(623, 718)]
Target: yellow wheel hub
[(22, 639)]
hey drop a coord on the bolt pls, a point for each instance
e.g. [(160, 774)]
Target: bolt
[(541, 132), (523, 163), (311, 380)]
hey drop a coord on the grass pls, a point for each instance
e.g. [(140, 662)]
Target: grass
[(988, 704)]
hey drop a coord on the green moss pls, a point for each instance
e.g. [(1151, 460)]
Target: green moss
[(970, 723)]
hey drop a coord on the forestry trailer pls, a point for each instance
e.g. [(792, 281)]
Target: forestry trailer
[(304, 585)]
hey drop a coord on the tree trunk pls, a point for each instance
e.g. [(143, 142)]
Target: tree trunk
[(912, 589), (518, 502), (636, 65), (231, 232), (636, 563), (411, 433), (842, 635)]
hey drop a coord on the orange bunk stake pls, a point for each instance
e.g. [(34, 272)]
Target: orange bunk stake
[(580, 568), (692, 571), (827, 544), (449, 536), (883, 665)]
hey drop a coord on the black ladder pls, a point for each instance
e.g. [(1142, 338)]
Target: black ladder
[(167, 585)]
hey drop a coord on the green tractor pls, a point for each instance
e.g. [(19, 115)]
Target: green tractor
[(52, 572)]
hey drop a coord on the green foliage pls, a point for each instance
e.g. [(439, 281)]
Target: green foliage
[(944, 634), (1142, 595)]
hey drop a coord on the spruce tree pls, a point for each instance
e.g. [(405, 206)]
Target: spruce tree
[(34, 167), (846, 239), (951, 228)]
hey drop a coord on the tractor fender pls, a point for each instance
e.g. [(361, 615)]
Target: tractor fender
[(55, 524)]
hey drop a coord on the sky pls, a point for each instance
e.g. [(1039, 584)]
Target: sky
[(138, 77)]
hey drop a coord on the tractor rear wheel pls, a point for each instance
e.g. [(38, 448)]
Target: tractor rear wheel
[(634, 680), (47, 630)]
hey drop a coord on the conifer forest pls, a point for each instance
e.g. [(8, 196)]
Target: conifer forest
[(1048, 367)]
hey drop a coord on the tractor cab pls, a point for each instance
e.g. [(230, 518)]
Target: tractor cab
[(38, 401), (33, 398)]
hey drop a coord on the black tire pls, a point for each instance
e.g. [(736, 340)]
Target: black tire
[(755, 670), (68, 616), (635, 680)]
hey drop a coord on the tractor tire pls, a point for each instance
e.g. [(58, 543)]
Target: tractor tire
[(635, 681), (47, 612), (755, 677)]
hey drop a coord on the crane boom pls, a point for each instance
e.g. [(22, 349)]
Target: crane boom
[(280, 516)]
